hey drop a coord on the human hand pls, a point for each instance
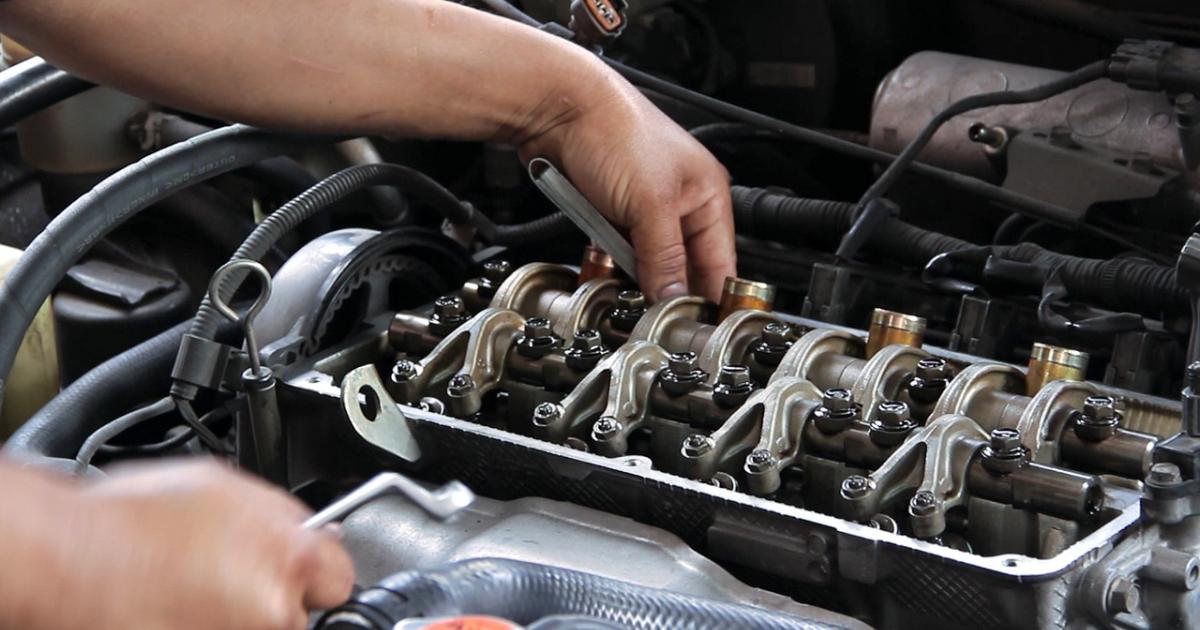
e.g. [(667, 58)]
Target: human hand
[(646, 174), (197, 545)]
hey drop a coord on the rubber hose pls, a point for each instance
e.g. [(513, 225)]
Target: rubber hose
[(33, 85), (524, 592), (1121, 283), (101, 436), (113, 202), (110, 389), (545, 228), (783, 218), (281, 173)]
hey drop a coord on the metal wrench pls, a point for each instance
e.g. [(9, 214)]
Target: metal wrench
[(583, 214), (441, 503)]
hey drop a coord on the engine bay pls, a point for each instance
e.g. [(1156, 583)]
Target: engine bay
[(969, 395)]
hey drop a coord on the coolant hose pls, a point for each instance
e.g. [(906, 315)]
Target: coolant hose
[(524, 592), (33, 85), (113, 202)]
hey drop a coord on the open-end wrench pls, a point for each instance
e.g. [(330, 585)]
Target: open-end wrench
[(441, 503)]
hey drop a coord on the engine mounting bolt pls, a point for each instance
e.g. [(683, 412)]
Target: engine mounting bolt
[(586, 350), (697, 445), (837, 411), (856, 487), (923, 503), (682, 375), (460, 385), (631, 305), (759, 461), (1124, 596), (892, 423), (1004, 452), (1098, 420), (546, 414), (929, 380), (1164, 474), (449, 312), (404, 371), (605, 428), (538, 339), (775, 340), (733, 386)]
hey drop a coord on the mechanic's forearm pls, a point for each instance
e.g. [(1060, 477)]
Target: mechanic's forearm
[(413, 67), (36, 542)]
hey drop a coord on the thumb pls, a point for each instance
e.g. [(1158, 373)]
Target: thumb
[(662, 262)]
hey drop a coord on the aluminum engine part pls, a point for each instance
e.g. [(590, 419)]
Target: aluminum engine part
[(932, 484), (1102, 113), (393, 535)]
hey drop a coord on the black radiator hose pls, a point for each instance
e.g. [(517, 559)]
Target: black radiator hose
[(33, 85), (762, 213), (523, 592)]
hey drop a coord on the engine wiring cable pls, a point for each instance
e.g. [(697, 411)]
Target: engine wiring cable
[(166, 445), (116, 427), (1010, 199)]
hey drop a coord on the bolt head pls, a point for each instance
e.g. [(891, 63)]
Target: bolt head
[(1004, 440), (923, 503), (538, 328), (837, 400), (1164, 474), (696, 445), (404, 371), (631, 300), (496, 271), (460, 384), (856, 487), (586, 339), (933, 369), (546, 413), (449, 307), (759, 461), (734, 376), (777, 334), (606, 427), (1100, 408), (892, 413), (1124, 596), (682, 363)]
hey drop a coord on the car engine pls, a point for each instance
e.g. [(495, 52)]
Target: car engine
[(956, 382)]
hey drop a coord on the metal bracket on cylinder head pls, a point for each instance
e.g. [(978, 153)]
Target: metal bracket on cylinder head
[(375, 416)]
